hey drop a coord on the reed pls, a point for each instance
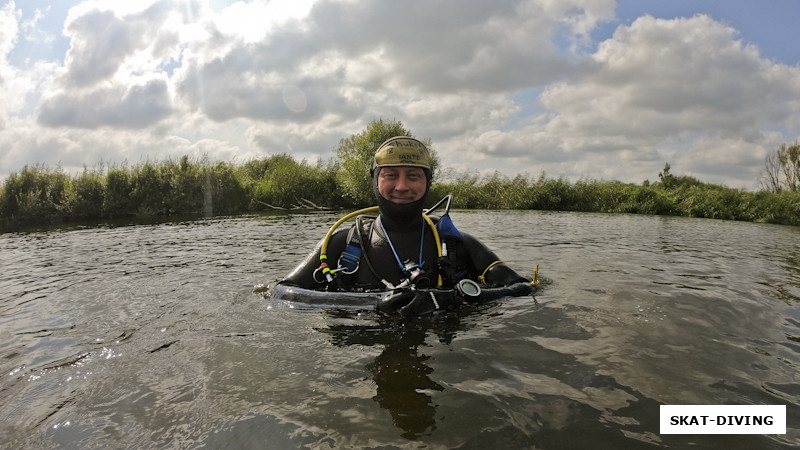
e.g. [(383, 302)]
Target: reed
[(684, 196), (36, 194), (41, 195)]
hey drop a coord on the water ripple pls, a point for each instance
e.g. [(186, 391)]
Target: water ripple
[(151, 336)]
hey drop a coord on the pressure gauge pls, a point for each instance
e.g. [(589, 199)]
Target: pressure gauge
[(468, 289)]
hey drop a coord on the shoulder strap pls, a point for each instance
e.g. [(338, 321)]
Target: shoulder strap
[(451, 264), (351, 255)]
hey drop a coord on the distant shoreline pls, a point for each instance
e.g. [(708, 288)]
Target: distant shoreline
[(39, 195)]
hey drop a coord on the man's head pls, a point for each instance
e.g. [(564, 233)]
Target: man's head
[(402, 184), (401, 170)]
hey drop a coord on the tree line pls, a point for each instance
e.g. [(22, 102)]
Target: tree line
[(39, 195)]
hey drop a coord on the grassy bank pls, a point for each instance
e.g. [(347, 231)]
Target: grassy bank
[(688, 199), (41, 195)]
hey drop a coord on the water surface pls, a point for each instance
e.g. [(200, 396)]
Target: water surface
[(153, 336)]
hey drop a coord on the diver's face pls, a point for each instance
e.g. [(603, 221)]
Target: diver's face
[(402, 184)]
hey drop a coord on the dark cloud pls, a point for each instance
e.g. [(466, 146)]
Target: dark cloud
[(225, 90), (135, 107)]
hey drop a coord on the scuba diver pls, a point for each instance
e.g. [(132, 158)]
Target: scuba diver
[(425, 262)]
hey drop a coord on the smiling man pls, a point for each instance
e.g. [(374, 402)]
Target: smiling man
[(402, 175), (402, 249), (402, 184)]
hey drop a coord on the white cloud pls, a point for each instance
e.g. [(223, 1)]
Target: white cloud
[(107, 44), (673, 88), (9, 29), (515, 85)]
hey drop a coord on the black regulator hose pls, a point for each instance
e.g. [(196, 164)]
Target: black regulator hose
[(418, 302)]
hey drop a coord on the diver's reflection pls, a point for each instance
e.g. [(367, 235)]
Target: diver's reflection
[(402, 378), (400, 372)]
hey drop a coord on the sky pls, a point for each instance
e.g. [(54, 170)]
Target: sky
[(580, 89)]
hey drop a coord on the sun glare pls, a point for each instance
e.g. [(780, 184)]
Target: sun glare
[(252, 21)]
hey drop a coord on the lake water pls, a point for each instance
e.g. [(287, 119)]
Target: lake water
[(153, 336)]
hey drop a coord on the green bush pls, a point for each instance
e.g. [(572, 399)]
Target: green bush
[(147, 191), (117, 198), (223, 191), (84, 199), (36, 195), (284, 182), (183, 183)]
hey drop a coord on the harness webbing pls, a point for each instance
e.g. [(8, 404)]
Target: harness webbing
[(351, 255)]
